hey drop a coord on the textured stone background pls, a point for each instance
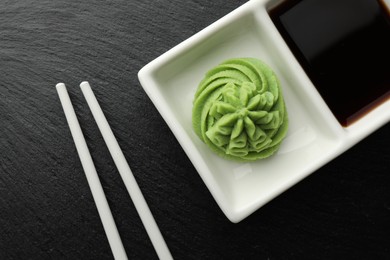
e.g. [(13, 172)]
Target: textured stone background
[(46, 208)]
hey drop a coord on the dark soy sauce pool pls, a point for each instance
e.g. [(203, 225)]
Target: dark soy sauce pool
[(344, 48)]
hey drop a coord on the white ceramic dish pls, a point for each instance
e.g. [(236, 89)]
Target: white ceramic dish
[(314, 137)]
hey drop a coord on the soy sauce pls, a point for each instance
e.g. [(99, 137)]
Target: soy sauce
[(344, 48)]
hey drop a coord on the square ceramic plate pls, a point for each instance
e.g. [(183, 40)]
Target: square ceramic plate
[(314, 137)]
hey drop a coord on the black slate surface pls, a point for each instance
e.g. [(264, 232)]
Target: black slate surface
[(341, 211)]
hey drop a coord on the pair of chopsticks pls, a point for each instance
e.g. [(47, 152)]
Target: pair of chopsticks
[(123, 168)]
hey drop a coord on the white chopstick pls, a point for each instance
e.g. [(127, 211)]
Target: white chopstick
[(92, 177), (126, 174)]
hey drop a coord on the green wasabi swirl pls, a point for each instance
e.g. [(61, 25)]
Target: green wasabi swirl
[(239, 111)]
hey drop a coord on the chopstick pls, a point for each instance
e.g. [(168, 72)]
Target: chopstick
[(90, 172), (126, 174)]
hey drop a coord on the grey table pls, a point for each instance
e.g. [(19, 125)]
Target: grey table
[(46, 208)]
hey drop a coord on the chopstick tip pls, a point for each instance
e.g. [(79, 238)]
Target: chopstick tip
[(60, 86), (84, 83)]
